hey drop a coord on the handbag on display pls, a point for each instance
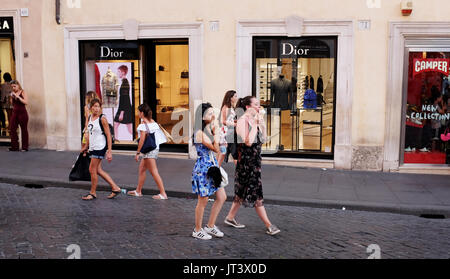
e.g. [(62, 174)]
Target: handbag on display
[(149, 143), (184, 74), (446, 135), (218, 174), (80, 170)]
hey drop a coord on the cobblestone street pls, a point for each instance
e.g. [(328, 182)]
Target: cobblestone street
[(42, 223)]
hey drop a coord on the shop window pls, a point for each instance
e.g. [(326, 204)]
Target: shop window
[(172, 88), (111, 70), (7, 72), (427, 116), (294, 78)]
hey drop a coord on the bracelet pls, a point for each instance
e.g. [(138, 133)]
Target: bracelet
[(137, 153)]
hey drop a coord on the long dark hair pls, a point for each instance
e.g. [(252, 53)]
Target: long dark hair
[(146, 110), (242, 104), (227, 98), (199, 113)]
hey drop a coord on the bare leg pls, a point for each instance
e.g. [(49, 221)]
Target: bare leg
[(116, 129), (93, 167), (221, 197), (152, 167), (107, 178), (233, 210), (130, 128), (199, 211), (261, 211), (220, 159), (142, 176)]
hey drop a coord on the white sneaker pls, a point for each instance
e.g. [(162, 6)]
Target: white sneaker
[(408, 149), (213, 231), (424, 150), (413, 150), (201, 235)]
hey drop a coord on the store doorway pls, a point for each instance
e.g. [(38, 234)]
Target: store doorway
[(166, 88), (7, 73)]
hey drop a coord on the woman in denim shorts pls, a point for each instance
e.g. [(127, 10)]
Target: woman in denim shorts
[(148, 161), (100, 147)]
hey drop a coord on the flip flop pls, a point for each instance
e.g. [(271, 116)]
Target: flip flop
[(160, 197), (134, 194), (89, 195), (115, 194)]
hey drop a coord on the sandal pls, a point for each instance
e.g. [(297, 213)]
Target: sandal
[(134, 194), (114, 194), (86, 197), (159, 197)]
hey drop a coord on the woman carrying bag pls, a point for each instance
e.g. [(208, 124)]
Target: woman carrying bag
[(150, 133), (206, 140)]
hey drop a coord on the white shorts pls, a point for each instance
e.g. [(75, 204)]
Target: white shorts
[(151, 155)]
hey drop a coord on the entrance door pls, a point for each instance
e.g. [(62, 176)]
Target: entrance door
[(167, 86)]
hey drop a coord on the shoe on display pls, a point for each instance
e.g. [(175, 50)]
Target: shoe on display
[(413, 149), (424, 150), (214, 231), (408, 149), (201, 234)]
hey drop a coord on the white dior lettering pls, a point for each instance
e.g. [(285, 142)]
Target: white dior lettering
[(294, 50), (109, 52)]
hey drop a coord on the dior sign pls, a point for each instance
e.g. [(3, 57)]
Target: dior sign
[(289, 49), (106, 52)]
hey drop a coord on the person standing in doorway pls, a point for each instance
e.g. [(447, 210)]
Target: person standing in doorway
[(148, 161), (248, 190), (6, 102), (19, 116), (124, 113), (206, 141), (228, 126), (99, 142)]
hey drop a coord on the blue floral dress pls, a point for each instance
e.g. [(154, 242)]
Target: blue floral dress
[(202, 185)]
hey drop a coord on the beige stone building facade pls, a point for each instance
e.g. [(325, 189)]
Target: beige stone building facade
[(380, 73)]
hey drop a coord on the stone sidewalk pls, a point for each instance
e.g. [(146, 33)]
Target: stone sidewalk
[(415, 194)]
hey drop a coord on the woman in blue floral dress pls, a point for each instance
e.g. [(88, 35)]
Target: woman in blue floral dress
[(206, 141)]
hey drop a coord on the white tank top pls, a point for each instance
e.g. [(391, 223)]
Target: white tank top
[(97, 140)]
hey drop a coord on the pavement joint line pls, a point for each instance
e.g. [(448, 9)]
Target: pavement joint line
[(416, 210)]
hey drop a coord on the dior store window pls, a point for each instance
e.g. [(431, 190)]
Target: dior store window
[(295, 81), (111, 70), (124, 74), (426, 110), (7, 73)]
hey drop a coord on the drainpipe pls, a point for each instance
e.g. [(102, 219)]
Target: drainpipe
[(58, 11)]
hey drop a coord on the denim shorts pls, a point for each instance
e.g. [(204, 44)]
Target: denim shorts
[(98, 154), (151, 155)]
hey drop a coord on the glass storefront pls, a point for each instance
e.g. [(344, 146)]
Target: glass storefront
[(8, 70), (125, 74), (427, 118), (295, 80)]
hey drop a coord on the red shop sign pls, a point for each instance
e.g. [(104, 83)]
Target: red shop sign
[(431, 65)]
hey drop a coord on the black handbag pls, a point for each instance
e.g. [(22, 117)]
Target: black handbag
[(80, 170), (150, 141)]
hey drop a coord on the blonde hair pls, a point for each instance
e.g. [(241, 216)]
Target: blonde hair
[(90, 95), (15, 82)]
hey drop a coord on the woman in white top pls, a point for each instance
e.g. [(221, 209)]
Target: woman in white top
[(100, 145), (148, 161)]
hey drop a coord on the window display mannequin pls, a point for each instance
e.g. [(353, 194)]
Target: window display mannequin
[(124, 113), (110, 83), (319, 85), (311, 82), (280, 93)]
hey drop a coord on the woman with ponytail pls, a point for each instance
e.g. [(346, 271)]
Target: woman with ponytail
[(248, 191)]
